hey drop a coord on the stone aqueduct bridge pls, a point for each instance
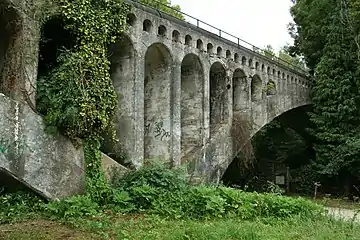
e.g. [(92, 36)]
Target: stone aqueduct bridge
[(183, 92), (181, 88)]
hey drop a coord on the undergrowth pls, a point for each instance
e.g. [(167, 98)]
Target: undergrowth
[(158, 190)]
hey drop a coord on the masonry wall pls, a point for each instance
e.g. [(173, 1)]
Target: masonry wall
[(188, 86)]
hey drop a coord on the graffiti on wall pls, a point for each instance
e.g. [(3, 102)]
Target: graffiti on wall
[(157, 128)]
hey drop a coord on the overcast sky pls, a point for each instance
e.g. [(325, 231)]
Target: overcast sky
[(259, 22)]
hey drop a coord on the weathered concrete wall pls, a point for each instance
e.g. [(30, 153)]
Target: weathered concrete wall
[(49, 164), (185, 88)]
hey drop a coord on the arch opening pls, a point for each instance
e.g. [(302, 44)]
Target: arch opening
[(200, 45), (122, 73), (228, 54), (238, 172), (131, 19), (256, 88), (218, 95), (236, 57), (162, 30), (250, 63), (257, 65), (219, 52), (147, 25), (176, 36), (192, 105), (157, 102), (243, 60), (188, 40), (210, 48), (270, 88), (240, 91)]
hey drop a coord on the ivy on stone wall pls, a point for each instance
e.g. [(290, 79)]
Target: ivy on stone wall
[(77, 97)]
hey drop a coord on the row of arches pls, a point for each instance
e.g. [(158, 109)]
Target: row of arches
[(218, 51), (159, 92)]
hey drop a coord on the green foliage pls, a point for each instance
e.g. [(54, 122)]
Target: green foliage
[(76, 206), (165, 6), (77, 97), (18, 206), (326, 33), (167, 193)]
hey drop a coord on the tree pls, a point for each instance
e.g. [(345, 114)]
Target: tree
[(269, 51), (324, 33), (294, 60), (165, 6)]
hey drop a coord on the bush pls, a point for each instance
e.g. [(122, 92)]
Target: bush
[(160, 190), (20, 205)]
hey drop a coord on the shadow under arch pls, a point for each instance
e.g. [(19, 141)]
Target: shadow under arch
[(122, 73), (192, 105), (219, 111), (294, 118), (256, 88), (240, 91), (158, 98)]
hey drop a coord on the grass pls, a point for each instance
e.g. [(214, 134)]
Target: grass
[(142, 227)]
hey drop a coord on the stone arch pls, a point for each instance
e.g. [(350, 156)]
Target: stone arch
[(273, 71), (122, 73), (256, 88), (147, 25), (243, 60), (240, 90), (270, 88), (228, 54), (268, 70), (157, 102), (236, 57), (257, 65), (210, 48), (262, 67), (250, 63), (279, 74), (287, 77), (188, 40), (218, 95), (229, 170), (162, 30), (283, 75), (292, 79), (192, 102), (200, 44), (219, 52), (176, 36), (131, 19)]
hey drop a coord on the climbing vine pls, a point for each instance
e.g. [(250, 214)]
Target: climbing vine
[(77, 97)]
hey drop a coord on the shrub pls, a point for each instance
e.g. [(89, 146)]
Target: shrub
[(160, 190), (20, 205)]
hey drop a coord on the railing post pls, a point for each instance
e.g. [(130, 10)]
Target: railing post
[(220, 32), (238, 42), (197, 22)]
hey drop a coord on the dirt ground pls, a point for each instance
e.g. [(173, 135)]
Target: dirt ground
[(41, 230)]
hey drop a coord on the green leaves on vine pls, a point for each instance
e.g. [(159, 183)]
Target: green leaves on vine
[(77, 98)]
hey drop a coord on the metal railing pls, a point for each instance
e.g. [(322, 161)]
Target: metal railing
[(225, 35)]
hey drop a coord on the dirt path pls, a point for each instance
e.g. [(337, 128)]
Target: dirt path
[(344, 214)]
